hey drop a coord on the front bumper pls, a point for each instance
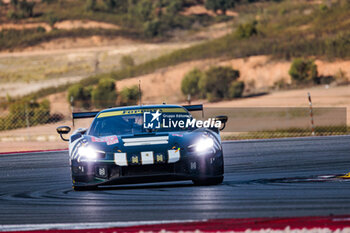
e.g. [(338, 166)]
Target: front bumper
[(108, 173)]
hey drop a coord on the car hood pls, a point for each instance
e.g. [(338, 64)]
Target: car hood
[(151, 141)]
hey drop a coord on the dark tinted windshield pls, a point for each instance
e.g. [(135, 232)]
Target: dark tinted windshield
[(138, 121)]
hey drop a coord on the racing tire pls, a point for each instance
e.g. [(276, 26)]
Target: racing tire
[(208, 181), (84, 188)]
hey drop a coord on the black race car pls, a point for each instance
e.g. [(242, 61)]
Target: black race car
[(148, 143)]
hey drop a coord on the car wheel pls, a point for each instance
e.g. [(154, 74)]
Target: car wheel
[(208, 181), (84, 188)]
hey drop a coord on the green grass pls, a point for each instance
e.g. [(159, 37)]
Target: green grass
[(10, 39), (290, 132)]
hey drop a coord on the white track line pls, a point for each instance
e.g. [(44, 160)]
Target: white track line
[(76, 226)]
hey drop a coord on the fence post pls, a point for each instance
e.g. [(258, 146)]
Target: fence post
[(311, 115), (72, 108), (27, 117)]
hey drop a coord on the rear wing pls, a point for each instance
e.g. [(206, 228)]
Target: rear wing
[(197, 107), (79, 115)]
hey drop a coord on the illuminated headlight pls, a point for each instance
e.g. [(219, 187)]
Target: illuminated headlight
[(88, 153), (204, 144)]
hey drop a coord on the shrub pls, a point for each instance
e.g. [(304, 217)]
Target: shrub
[(189, 84), (81, 96), (40, 29), (152, 28), (26, 113), (303, 71), (11, 14), (236, 89), (222, 5), (215, 82), (105, 94), (51, 19), (129, 96), (90, 5), (174, 7), (246, 30), (27, 8), (126, 61)]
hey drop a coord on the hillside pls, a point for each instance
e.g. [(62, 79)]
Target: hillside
[(275, 31), (27, 23)]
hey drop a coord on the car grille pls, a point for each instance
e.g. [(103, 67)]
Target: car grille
[(148, 170)]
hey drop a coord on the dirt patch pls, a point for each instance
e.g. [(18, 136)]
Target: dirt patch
[(22, 26), (201, 10), (165, 84), (260, 72), (66, 25), (69, 43), (73, 24)]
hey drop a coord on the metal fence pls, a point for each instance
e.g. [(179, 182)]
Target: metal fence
[(35, 122)]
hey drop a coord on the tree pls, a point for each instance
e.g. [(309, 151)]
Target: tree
[(80, 95), (14, 2), (145, 10), (303, 71), (110, 4), (27, 8), (247, 30), (189, 84), (174, 7), (222, 5), (216, 82), (90, 5), (105, 94), (129, 96), (236, 89), (126, 61)]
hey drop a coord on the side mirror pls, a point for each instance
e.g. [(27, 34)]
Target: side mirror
[(63, 130), (223, 120)]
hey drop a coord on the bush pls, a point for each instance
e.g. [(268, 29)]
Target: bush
[(90, 5), (303, 71), (11, 14), (126, 61), (26, 113), (214, 84), (40, 29), (189, 84), (246, 30), (129, 96), (152, 28), (27, 8), (81, 95), (222, 5), (236, 89), (105, 94)]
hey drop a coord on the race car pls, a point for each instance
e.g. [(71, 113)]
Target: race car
[(147, 143)]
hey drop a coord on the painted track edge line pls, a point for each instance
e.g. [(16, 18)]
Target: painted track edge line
[(87, 226), (331, 223), (32, 151)]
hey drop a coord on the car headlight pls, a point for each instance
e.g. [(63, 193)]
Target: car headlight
[(88, 153), (204, 144)]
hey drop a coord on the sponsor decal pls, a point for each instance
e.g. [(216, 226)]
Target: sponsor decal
[(159, 158), (158, 119), (139, 111), (151, 120), (135, 159), (110, 140)]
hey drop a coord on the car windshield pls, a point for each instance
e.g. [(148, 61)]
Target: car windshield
[(139, 121)]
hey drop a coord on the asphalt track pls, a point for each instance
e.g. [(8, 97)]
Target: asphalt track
[(263, 178)]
